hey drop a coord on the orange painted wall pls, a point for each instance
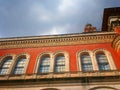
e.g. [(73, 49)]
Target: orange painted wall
[(119, 53), (72, 50)]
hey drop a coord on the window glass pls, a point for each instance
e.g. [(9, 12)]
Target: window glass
[(5, 66), (20, 65), (86, 62), (44, 65), (102, 62), (60, 64)]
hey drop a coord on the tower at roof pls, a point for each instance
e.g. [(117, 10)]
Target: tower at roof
[(111, 19), (89, 28)]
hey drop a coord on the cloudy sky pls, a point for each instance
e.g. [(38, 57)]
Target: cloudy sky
[(48, 17)]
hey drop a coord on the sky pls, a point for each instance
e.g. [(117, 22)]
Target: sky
[(20, 18)]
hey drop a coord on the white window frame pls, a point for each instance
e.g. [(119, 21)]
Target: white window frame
[(66, 55), (79, 58), (37, 65), (109, 58), (26, 63), (2, 59), (43, 66)]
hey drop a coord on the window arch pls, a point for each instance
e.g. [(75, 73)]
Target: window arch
[(5, 65), (49, 59), (59, 63), (103, 88), (102, 61), (86, 62), (21, 64), (44, 65)]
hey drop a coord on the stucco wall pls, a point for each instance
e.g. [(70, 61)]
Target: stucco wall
[(71, 50)]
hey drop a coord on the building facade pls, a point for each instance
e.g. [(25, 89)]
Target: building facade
[(81, 61)]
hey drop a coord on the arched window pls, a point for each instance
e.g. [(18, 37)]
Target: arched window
[(59, 63), (103, 88), (5, 66), (44, 66), (20, 65), (86, 62), (102, 61)]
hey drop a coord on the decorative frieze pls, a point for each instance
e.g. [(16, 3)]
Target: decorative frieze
[(57, 40)]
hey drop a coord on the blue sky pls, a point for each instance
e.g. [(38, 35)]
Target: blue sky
[(48, 17)]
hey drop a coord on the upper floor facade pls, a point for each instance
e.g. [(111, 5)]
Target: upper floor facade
[(71, 55)]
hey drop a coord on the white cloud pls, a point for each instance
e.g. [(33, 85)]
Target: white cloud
[(65, 5), (41, 17), (40, 13), (54, 31), (68, 7), (59, 29)]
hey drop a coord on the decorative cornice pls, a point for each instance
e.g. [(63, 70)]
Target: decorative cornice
[(57, 40), (116, 43)]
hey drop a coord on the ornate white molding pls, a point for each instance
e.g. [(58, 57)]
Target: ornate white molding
[(116, 43), (57, 40)]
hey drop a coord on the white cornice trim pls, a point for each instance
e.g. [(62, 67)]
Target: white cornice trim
[(56, 36), (57, 40)]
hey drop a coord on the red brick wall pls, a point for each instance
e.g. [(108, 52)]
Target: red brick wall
[(72, 50)]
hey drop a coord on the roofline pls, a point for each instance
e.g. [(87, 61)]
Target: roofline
[(111, 8), (55, 36)]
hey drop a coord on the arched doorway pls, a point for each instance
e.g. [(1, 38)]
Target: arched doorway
[(103, 88), (50, 89)]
